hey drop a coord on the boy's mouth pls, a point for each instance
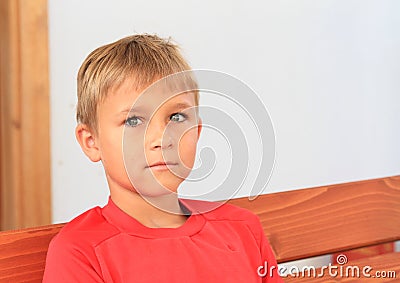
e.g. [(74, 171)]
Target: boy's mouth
[(161, 165)]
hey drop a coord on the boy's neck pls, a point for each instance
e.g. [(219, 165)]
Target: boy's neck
[(154, 212)]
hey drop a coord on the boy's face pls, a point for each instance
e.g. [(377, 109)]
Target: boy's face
[(150, 147)]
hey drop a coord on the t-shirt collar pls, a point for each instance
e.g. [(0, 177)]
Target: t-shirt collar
[(127, 224)]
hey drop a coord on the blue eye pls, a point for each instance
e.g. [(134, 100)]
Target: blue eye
[(178, 117), (133, 121)]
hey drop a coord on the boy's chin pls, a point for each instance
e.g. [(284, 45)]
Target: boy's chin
[(158, 190)]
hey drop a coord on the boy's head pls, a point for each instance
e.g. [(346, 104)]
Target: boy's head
[(137, 113), (143, 58)]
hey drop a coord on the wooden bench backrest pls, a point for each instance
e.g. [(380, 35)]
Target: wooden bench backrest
[(323, 220), (23, 253), (299, 224)]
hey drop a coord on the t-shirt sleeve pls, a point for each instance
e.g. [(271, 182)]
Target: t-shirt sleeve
[(269, 262), (268, 269), (66, 262)]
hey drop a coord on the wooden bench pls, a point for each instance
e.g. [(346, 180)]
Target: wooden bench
[(299, 224), (332, 219)]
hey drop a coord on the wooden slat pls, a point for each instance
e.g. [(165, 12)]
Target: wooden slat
[(25, 142), (23, 253), (310, 222), (388, 263)]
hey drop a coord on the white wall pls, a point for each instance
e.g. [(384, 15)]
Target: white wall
[(328, 72)]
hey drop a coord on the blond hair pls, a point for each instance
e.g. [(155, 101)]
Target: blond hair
[(142, 57)]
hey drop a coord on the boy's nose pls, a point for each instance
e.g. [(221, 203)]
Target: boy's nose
[(159, 138), (162, 143)]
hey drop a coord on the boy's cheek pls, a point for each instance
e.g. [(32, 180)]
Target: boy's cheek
[(134, 158), (187, 153)]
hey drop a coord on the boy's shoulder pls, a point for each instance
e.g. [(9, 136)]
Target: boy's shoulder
[(89, 228), (236, 217), (219, 211)]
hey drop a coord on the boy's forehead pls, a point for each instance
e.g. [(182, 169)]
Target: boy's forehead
[(165, 91)]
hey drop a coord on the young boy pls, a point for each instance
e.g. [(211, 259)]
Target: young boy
[(146, 233)]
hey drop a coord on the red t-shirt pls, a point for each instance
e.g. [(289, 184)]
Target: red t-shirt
[(226, 244)]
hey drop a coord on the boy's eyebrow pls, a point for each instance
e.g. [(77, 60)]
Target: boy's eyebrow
[(130, 109), (180, 105)]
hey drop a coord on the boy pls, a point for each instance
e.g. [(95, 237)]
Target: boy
[(146, 233)]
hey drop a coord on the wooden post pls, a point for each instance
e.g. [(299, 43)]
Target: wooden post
[(24, 114)]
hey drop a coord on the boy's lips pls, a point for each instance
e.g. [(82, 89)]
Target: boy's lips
[(161, 165)]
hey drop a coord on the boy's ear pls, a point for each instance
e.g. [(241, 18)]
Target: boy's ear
[(88, 142), (199, 128)]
